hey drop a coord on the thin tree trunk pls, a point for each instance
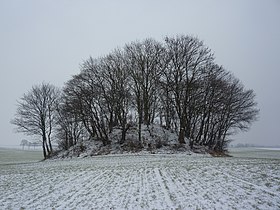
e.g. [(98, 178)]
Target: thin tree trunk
[(44, 150)]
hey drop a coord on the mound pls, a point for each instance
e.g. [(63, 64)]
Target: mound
[(155, 140)]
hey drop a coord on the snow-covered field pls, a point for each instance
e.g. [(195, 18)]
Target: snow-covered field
[(144, 182), (8, 155)]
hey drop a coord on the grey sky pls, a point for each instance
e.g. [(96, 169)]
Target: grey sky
[(47, 40)]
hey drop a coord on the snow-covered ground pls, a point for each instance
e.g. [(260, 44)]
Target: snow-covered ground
[(142, 182)]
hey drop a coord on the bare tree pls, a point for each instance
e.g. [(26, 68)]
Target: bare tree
[(186, 57), (69, 126), (236, 113), (143, 62), (85, 93), (35, 114), (116, 90)]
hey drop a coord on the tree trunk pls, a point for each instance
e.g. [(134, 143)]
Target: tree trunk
[(44, 151), (182, 135), (48, 152), (50, 143)]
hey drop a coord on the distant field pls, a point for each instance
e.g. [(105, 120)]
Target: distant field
[(8, 156), (145, 182), (252, 152)]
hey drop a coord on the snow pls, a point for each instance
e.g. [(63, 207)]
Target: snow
[(154, 140), (146, 181), (270, 148)]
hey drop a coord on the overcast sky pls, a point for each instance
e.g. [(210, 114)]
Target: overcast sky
[(47, 40)]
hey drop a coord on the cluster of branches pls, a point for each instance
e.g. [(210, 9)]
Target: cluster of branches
[(175, 83), (36, 114)]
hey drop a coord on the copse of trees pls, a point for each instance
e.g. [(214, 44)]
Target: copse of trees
[(175, 82)]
